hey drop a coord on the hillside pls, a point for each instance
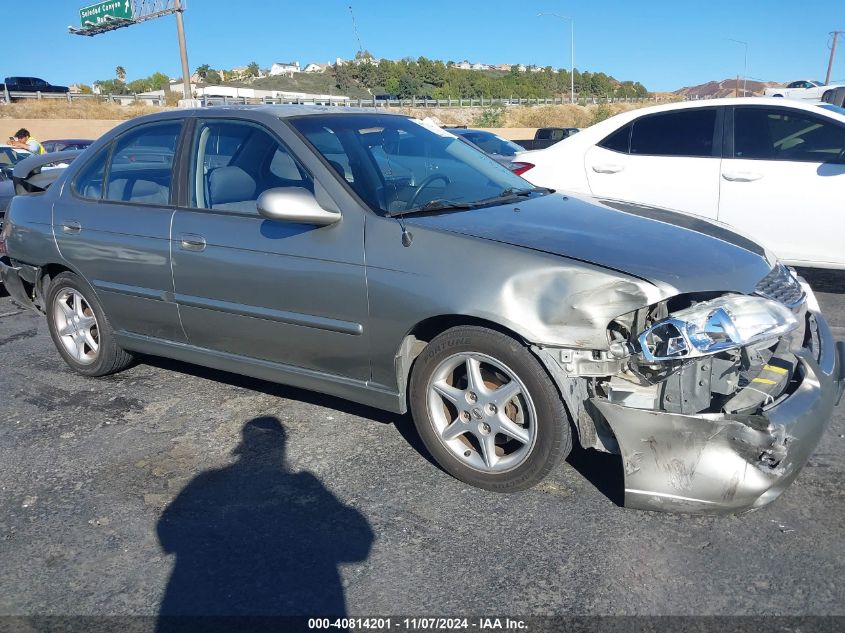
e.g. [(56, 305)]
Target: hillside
[(312, 83), (724, 88), (405, 78)]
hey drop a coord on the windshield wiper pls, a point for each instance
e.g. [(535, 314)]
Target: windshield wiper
[(441, 205), (434, 205)]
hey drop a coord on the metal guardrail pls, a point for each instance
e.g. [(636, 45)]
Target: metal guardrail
[(476, 102), (78, 96)]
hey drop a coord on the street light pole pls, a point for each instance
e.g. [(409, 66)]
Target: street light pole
[(571, 53), (745, 68), (183, 50)]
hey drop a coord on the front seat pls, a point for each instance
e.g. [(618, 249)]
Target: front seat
[(231, 188)]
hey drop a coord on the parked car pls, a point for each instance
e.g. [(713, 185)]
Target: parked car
[(772, 168), (498, 148), (378, 258), (807, 89), (835, 96), (61, 145), (30, 84), (547, 136)]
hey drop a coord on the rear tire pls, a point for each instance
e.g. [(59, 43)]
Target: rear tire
[(487, 411), (80, 329)]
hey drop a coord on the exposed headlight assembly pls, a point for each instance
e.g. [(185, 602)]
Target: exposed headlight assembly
[(714, 326)]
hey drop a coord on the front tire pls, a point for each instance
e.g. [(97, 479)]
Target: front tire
[(80, 330), (487, 411)]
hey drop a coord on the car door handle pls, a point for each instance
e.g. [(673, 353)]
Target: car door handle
[(608, 169), (71, 226), (741, 176), (191, 242)]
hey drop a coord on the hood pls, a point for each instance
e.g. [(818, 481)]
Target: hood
[(685, 252)]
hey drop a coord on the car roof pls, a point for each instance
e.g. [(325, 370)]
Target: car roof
[(69, 140), (292, 110), (710, 103)]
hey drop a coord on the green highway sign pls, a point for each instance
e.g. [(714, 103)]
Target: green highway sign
[(105, 11)]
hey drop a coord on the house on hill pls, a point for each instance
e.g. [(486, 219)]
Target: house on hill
[(284, 68), (314, 67)]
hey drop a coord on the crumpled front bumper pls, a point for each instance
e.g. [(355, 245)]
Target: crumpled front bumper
[(719, 463)]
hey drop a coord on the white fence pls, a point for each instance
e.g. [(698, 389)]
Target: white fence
[(477, 102)]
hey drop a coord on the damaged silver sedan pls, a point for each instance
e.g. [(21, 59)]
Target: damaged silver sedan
[(377, 258)]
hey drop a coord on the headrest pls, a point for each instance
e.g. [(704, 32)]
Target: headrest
[(230, 184)]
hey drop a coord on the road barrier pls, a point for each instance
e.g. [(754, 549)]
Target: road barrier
[(206, 100)]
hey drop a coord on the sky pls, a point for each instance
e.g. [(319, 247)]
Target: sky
[(664, 45)]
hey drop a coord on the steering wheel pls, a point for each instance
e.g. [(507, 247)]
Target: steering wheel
[(425, 183)]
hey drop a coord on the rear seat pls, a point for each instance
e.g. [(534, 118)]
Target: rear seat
[(143, 191)]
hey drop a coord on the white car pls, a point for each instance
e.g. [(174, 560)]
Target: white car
[(808, 89), (773, 169)]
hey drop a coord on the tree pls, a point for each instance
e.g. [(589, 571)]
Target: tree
[(408, 86), (202, 71), (212, 77), (111, 86), (252, 70), (159, 81), (120, 73)]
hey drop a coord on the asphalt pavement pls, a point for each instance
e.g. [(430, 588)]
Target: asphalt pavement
[(170, 488)]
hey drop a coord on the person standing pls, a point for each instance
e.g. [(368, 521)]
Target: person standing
[(24, 140)]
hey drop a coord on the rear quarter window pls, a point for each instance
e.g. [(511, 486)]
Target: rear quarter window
[(618, 141)]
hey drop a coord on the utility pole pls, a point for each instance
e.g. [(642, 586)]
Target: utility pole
[(183, 49), (571, 52), (835, 35), (744, 68)]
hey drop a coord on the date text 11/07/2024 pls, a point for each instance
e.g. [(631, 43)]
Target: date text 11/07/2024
[(418, 624)]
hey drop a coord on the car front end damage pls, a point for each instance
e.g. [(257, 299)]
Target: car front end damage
[(713, 401)]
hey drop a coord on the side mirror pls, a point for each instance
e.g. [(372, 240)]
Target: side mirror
[(294, 204)]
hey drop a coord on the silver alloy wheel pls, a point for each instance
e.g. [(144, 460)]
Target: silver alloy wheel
[(76, 326), (482, 412)]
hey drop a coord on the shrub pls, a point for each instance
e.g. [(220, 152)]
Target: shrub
[(490, 117)]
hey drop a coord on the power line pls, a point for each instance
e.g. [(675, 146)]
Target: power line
[(355, 30)]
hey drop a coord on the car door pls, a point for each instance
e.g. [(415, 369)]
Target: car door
[(670, 159), (288, 293), (783, 182), (112, 224)]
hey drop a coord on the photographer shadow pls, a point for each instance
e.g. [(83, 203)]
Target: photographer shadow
[(255, 539)]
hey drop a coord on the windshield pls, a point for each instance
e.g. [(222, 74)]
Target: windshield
[(396, 164), (490, 143)]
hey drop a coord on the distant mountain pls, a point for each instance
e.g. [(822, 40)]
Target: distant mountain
[(725, 88)]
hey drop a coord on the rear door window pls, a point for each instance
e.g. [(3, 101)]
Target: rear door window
[(681, 133), (141, 169)]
